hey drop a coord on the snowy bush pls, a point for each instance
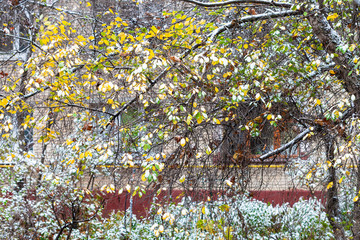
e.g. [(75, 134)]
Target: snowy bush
[(229, 218)]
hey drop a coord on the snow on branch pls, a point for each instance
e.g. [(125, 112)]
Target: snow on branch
[(297, 139), (252, 18), (231, 2)]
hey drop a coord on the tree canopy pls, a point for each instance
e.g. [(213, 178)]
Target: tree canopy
[(186, 91)]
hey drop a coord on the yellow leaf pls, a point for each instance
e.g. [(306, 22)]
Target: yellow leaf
[(332, 72), (88, 4), (151, 54), (4, 102), (194, 104), (356, 198), (318, 102), (154, 29), (332, 16), (204, 210), (269, 117), (71, 161), (258, 97), (229, 183), (188, 119), (160, 211), (182, 142), (128, 188), (308, 176), (110, 10), (68, 142), (340, 180), (216, 90), (246, 46), (143, 178), (330, 185), (182, 179), (217, 121)]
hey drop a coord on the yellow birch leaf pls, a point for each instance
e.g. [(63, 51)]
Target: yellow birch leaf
[(182, 142), (258, 97), (151, 54), (356, 198), (330, 185), (229, 183), (182, 179), (203, 210), (340, 180), (332, 16)]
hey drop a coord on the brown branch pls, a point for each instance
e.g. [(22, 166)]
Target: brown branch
[(231, 2)]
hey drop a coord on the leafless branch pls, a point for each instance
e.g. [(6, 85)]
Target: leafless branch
[(252, 18), (297, 139), (232, 2)]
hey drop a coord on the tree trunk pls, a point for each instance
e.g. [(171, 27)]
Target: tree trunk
[(332, 203), (331, 42)]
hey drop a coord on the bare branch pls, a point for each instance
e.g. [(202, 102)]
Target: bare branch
[(252, 18), (231, 2), (297, 139)]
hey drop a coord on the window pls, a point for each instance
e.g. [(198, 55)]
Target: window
[(13, 33), (271, 138), (239, 146), (264, 142)]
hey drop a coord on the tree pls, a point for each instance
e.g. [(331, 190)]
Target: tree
[(187, 81)]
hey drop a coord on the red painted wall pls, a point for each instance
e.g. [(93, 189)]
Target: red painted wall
[(116, 202)]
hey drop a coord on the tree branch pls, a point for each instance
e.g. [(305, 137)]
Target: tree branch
[(252, 18), (297, 139), (230, 2)]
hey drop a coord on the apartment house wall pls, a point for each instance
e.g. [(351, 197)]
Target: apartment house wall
[(254, 176)]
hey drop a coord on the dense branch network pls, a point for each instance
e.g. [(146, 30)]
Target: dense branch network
[(232, 2)]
